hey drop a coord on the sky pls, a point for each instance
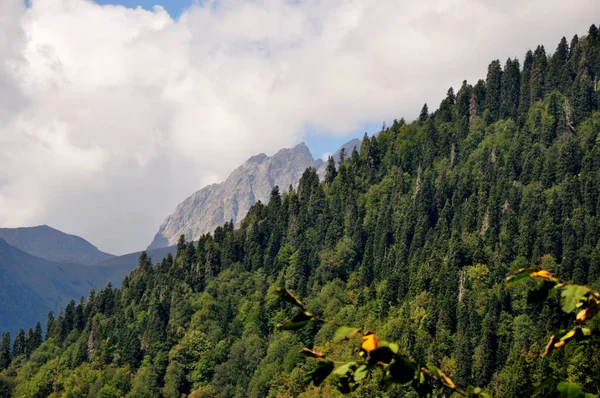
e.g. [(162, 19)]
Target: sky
[(110, 115)]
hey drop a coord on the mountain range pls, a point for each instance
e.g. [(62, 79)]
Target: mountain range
[(230, 200), (42, 268), (31, 286), (53, 245)]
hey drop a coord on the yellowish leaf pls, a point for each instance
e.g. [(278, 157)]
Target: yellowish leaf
[(370, 342), (448, 381), (581, 316), (541, 274), (567, 336), (559, 344)]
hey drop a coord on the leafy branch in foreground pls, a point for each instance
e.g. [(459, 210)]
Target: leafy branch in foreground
[(375, 355), (573, 298)]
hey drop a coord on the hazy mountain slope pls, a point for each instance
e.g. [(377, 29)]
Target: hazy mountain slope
[(53, 245), (230, 200), (31, 286)]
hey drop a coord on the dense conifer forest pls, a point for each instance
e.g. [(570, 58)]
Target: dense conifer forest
[(413, 237)]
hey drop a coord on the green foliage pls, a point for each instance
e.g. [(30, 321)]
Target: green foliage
[(411, 237)]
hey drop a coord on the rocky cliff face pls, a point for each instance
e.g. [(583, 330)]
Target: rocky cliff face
[(230, 200)]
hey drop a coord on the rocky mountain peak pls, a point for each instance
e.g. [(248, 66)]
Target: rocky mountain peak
[(216, 204)]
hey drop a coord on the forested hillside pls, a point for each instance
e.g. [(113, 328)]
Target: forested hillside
[(412, 237)]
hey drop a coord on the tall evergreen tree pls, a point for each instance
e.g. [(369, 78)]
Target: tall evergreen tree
[(5, 354), (573, 45), (558, 74), (19, 345), (342, 155), (538, 74), (50, 325), (28, 341), (424, 113), (583, 98), (36, 338), (511, 83), (493, 87), (463, 100), (181, 245), (446, 110), (79, 319), (331, 171), (525, 96)]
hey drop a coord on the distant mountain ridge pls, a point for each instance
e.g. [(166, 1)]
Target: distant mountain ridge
[(53, 245), (216, 204), (31, 286)]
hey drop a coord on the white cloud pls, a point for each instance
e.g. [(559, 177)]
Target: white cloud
[(110, 116)]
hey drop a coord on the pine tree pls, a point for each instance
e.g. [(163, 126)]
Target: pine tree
[(342, 155), (50, 325), (19, 345), (67, 322), (525, 96), (145, 262), (79, 320), (331, 171), (424, 113), (558, 75), (61, 331), (29, 342), (463, 100), (5, 354), (36, 338), (511, 83), (446, 110), (573, 45), (593, 34), (538, 74), (181, 245), (582, 94), (493, 87)]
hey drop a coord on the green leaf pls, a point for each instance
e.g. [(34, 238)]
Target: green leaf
[(519, 276), (344, 369), (393, 346), (401, 370), (289, 297), (571, 296), (297, 322), (569, 390), (344, 332), (541, 292), (434, 370), (319, 373), (477, 392), (361, 372), (345, 380)]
